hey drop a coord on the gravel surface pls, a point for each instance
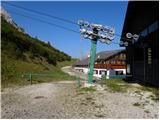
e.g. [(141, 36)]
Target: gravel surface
[(63, 100)]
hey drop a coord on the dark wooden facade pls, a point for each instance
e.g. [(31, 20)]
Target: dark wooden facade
[(118, 61), (115, 59), (142, 57)]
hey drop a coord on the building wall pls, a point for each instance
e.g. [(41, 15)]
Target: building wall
[(142, 55), (111, 65), (98, 72), (143, 59)]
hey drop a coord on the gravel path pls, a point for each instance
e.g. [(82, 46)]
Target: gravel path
[(63, 100), (69, 70)]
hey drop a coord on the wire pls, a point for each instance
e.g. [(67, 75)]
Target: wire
[(59, 26), (41, 13), (55, 17)]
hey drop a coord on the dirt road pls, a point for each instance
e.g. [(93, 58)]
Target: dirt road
[(62, 100), (70, 71)]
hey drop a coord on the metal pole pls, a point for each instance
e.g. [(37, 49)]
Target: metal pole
[(92, 57), (30, 78)]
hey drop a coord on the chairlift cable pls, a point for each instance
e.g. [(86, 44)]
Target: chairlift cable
[(40, 13), (51, 16), (43, 21)]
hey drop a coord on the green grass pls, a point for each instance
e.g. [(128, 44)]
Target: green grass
[(66, 63), (85, 90), (154, 90), (17, 73), (119, 85), (116, 85)]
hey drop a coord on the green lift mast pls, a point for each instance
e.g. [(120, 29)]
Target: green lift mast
[(92, 57), (95, 32)]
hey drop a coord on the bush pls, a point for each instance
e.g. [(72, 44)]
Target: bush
[(52, 60)]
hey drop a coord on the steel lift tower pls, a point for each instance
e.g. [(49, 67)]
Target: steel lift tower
[(95, 32)]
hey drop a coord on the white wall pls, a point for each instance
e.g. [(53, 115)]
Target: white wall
[(98, 75)]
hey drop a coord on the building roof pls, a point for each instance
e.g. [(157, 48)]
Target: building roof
[(101, 56)]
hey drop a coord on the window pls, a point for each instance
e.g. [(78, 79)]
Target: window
[(95, 71), (119, 62), (107, 62), (102, 72), (119, 72), (128, 69), (149, 56)]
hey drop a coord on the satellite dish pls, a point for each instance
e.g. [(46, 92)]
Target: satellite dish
[(129, 35)]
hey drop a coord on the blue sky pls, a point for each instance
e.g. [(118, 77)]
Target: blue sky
[(107, 13)]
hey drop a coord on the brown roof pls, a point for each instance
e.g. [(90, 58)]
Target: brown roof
[(101, 56)]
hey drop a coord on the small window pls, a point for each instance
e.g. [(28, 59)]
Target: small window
[(95, 71), (102, 72), (128, 69), (119, 72)]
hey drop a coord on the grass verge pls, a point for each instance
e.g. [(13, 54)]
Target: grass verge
[(116, 85), (85, 90)]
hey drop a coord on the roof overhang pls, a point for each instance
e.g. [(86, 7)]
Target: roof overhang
[(139, 15)]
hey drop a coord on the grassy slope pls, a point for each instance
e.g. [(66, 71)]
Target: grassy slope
[(22, 54), (20, 71)]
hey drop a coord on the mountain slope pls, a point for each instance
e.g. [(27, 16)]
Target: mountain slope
[(22, 53), (14, 41)]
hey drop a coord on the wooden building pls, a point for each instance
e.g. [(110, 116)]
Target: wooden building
[(142, 56), (106, 63)]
